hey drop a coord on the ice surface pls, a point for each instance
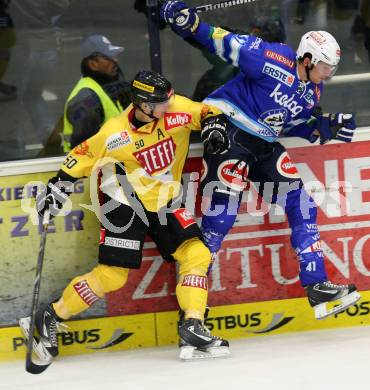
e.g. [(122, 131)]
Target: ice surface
[(327, 359)]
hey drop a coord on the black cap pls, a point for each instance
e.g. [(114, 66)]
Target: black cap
[(150, 87)]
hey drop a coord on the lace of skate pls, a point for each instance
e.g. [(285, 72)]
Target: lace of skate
[(55, 327), (208, 332), (52, 332)]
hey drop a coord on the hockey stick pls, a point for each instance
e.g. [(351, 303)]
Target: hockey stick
[(222, 4), (32, 367)]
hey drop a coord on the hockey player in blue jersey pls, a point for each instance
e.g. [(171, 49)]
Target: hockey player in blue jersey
[(276, 94)]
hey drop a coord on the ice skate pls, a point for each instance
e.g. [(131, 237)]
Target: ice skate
[(197, 342), (47, 324), (320, 294), (37, 345)]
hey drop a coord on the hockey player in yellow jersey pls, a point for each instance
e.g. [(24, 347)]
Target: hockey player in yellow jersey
[(140, 155)]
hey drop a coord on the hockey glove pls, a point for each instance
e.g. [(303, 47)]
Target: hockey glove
[(53, 196), (183, 20), (214, 135), (336, 126)]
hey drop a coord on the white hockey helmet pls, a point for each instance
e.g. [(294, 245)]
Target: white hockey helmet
[(322, 46)]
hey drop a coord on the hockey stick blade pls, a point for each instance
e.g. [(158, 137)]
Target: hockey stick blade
[(37, 347), (34, 368)]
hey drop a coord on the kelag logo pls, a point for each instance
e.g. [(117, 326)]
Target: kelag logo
[(361, 309), (247, 320), (87, 336)]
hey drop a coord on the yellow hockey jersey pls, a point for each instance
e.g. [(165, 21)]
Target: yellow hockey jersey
[(151, 157)]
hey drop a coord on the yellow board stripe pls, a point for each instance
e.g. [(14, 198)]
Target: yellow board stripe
[(89, 336), (159, 329)]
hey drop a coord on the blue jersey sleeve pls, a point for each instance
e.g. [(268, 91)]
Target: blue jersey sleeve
[(303, 128), (243, 51)]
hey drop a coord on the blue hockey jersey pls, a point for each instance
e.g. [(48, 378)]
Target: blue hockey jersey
[(266, 99)]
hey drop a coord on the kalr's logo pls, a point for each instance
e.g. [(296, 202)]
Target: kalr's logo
[(176, 119)]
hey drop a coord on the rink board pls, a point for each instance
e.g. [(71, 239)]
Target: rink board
[(89, 336), (267, 318), (253, 287), (256, 262), (160, 329)]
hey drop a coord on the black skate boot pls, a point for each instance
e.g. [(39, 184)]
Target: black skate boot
[(197, 342), (320, 294), (47, 323)]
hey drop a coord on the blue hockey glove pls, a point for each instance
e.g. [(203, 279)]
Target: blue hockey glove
[(214, 135), (336, 126), (183, 20)]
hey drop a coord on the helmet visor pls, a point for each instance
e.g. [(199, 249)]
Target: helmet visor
[(326, 70)]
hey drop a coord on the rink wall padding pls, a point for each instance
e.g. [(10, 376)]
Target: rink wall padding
[(89, 336), (254, 280), (160, 329)]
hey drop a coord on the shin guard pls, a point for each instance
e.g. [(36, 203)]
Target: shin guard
[(192, 287), (85, 290)]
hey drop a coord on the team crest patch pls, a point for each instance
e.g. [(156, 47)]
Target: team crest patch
[(83, 149), (118, 140), (286, 167), (275, 119), (219, 33), (255, 44)]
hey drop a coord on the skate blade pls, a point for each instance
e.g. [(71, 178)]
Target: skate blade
[(38, 348), (321, 310), (189, 353)]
